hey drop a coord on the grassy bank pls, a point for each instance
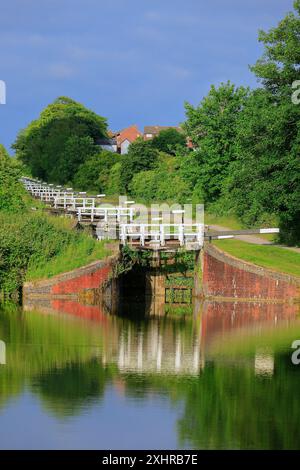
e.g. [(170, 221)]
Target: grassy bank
[(232, 222), (272, 257), (223, 220), (80, 252), (34, 245)]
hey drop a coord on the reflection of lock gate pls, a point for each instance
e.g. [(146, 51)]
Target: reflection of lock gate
[(2, 353), (178, 295)]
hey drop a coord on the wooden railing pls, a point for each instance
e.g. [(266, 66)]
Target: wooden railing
[(70, 202), (87, 209), (105, 213), (161, 233)]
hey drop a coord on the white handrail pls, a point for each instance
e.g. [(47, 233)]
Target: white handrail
[(105, 212), (161, 232)]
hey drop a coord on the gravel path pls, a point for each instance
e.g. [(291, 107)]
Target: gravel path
[(253, 239)]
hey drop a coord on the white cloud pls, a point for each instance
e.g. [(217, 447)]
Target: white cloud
[(21, 39), (60, 71), (147, 32), (153, 15), (177, 72), (80, 54)]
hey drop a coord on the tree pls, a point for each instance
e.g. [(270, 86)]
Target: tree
[(63, 137), (169, 140), (212, 128), (77, 150), (12, 193), (3, 153), (163, 183), (265, 178), (141, 156), (114, 179), (94, 172), (278, 67)]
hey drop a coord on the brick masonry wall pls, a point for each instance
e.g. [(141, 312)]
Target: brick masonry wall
[(72, 283), (226, 276)]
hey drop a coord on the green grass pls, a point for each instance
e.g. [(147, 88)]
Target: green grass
[(108, 199), (82, 250), (272, 257), (224, 220), (234, 224), (85, 251)]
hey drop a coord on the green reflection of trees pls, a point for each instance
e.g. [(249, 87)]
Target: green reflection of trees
[(225, 406), (54, 355), (228, 407), (68, 390), (232, 408)]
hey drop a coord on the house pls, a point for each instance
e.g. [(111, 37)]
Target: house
[(119, 141), (108, 143), (153, 131), (125, 137)]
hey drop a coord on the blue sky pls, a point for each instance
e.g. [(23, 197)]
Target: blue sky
[(132, 61)]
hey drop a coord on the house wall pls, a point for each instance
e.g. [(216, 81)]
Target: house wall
[(124, 147)]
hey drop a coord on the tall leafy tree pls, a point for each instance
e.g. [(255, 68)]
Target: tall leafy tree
[(65, 134), (141, 156), (162, 183), (212, 128), (265, 178), (278, 67), (12, 193), (169, 141), (94, 173)]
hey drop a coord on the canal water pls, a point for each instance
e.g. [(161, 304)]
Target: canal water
[(215, 376)]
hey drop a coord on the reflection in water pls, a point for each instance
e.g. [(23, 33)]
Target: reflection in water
[(264, 362), (220, 378), (2, 353)]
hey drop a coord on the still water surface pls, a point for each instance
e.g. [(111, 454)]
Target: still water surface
[(73, 377)]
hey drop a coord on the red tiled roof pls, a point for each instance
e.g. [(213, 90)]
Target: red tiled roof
[(129, 133)]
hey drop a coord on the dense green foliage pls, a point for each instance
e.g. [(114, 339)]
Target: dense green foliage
[(32, 244), (245, 161), (246, 144), (278, 68), (162, 183), (212, 127), (94, 173), (12, 195), (169, 141), (75, 250), (140, 157), (63, 137), (265, 178), (114, 185)]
